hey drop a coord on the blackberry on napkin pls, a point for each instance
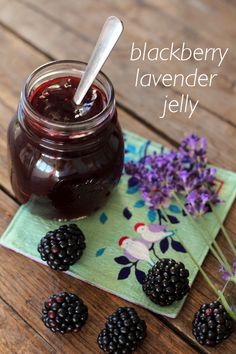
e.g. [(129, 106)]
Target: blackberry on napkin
[(166, 282), (62, 247)]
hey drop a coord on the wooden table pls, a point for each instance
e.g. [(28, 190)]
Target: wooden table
[(34, 32)]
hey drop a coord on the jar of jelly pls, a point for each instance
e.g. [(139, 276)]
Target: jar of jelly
[(65, 159)]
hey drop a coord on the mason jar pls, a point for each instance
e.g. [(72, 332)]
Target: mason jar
[(65, 170)]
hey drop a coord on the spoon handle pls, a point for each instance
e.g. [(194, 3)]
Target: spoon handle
[(109, 35)]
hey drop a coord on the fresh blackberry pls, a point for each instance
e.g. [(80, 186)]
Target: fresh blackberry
[(64, 312), (212, 324), (166, 282), (62, 247), (123, 331)]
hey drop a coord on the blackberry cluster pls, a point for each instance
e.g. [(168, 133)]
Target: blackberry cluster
[(62, 247), (64, 312), (212, 324), (166, 282), (123, 331)]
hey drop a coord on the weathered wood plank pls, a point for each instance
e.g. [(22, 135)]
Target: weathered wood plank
[(17, 337), (33, 283), (196, 12), (15, 56), (5, 113)]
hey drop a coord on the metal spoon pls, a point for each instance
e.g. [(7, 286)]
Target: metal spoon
[(109, 35)]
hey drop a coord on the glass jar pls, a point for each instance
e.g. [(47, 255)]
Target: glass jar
[(65, 169)]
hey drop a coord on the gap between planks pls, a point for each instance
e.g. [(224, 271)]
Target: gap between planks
[(52, 349)]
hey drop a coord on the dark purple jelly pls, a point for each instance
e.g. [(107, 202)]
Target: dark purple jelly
[(65, 159), (54, 100)]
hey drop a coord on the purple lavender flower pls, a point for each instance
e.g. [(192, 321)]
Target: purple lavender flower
[(150, 176), (155, 197), (193, 147), (183, 171), (225, 274), (198, 201)]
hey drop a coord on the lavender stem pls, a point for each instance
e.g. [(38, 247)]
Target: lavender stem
[(208, 280), (225, 232), (220, 255)]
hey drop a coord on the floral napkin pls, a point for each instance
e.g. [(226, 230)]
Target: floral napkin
[(107, 263)]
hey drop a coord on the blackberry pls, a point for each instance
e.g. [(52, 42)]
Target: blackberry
[(212, 324), (64, 312), (123, 331), (166, 282), (62, 247)]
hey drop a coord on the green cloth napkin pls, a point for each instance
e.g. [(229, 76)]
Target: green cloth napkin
[(104, 263)]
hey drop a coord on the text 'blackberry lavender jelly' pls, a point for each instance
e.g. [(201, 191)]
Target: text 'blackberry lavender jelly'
[(65, 159)]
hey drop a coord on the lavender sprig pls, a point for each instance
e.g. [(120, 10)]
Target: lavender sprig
[(199, 199), (154, 175), (183, 171)]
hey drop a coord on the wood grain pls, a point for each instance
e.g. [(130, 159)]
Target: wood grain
[(17, 337), (5, 112)]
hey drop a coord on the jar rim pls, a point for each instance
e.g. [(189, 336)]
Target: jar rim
[(74, 67)]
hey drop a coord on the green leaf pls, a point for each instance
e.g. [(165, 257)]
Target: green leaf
[(139, 204), (100, 252)]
